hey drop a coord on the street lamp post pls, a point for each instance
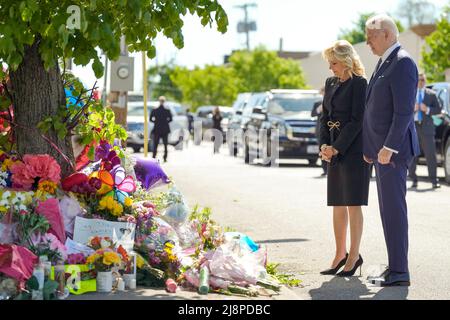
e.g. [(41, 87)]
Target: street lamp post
[(145, 87)]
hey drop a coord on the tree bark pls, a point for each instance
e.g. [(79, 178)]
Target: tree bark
[(37, 94)]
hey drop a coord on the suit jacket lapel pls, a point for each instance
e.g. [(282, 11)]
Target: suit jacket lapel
[(334, 87), (383, 67)]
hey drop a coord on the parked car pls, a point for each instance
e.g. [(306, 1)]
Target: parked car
[(135, 125), (234, 122), (442, 123), (205, 114), (288, 112)]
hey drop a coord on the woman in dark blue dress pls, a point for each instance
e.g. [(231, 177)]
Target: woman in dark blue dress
[(341, 146)]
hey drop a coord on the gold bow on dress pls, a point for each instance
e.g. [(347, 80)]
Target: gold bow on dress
[(333, 125)]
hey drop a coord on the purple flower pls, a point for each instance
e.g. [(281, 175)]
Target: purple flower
[(102, 151)]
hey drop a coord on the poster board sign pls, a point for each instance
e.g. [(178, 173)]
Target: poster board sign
[(122, 233)]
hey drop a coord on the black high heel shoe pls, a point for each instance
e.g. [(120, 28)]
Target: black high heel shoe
[(334, 270), (350, 273)]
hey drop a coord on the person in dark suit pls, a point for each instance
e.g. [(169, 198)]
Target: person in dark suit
[(161, 117), (341, 146), (317, 112), (390, 139), (427, 105)]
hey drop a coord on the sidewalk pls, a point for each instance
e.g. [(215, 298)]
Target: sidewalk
[(161, 294)]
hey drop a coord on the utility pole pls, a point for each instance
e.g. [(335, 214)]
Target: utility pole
[(246, 26)]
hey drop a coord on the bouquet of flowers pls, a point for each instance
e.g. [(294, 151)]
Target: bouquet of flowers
[(104, 259), (106, 256)]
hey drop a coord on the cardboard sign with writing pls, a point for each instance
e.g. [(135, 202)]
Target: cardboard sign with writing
[(121, 233)]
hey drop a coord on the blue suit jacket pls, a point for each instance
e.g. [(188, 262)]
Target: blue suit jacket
[(389, 115)]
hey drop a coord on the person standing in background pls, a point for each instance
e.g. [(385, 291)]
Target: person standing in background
[(161, 117), (427, 105)]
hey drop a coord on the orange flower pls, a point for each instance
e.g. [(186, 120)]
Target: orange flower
[(123, 253), (95, 242)]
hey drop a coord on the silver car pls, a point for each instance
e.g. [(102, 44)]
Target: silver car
[(179, 130)]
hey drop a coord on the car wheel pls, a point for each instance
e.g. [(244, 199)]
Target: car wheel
[(136, 149), (180, 144), (312, 162), (246, 153), (447, 161), (231, 149), (267, 154)]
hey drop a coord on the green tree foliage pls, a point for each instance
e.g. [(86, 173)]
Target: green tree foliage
[(211, 85), (436, 52), (161, 83), (358, 33), (35, 35), (261, 70), (416, 12), (247, 71), (101, 24)]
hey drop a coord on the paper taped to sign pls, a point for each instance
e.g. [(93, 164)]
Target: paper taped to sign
[(122, 233)]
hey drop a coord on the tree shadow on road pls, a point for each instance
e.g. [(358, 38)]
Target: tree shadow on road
[(354, 289)]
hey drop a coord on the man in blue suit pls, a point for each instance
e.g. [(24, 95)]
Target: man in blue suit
[(390, 138)]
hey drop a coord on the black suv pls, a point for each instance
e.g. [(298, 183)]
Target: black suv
[(442, 123), (280, 126)]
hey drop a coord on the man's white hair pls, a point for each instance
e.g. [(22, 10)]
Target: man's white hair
[(382, 22)]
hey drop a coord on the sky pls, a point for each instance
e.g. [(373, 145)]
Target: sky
[(303, 25)]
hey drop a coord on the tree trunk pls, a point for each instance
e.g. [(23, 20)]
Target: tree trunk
[(37, 94)]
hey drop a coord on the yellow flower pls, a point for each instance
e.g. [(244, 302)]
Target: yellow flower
[(128, 202), (7, 164), (117, 210), (47, 186), (92, 258), (169, 245), (3, 209), (110, 258)]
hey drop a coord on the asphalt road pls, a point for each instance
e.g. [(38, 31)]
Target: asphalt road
[(285, 209)]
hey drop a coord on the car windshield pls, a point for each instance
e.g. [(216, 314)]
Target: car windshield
[(139, 111), (135, 127), (291, 104)]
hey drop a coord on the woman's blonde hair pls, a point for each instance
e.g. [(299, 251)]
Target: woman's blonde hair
[(344, 52)]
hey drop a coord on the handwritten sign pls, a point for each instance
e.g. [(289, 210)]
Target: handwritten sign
[(121, 233)]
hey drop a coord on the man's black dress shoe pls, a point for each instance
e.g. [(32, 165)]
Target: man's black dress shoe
[(414, 184), (436, 185), (394, 279)]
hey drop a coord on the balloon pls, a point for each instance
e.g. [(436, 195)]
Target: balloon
[(149, 173), (73, 180)]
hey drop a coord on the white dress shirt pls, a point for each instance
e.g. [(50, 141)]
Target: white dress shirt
[(416, 114)]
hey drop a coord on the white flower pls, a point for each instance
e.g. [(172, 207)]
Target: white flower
[(105, 244), (19, 198), (6, 195), (3, 174)]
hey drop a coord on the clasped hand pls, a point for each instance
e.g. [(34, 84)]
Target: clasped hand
[(423, 107), (327, 152)]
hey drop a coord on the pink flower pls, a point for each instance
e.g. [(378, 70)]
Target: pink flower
[(76, 258), (52, 241), (40, 166)]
